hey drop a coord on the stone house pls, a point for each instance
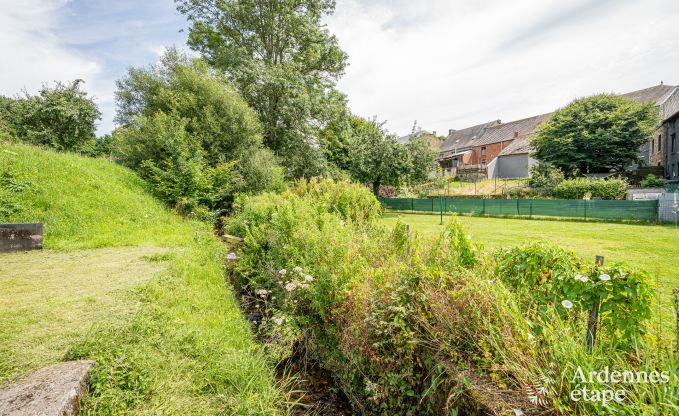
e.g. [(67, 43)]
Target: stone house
[(434, 141)]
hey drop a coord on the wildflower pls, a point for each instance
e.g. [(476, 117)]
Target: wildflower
[(282, 272), (469, 237), (308, 278), (578, 277), (604, 277), (231, 256), (290, 286), (304, 286), (342, 222), (567, 304), (262, 293), (531, 336), (584, 279), (278, 321), (298, 269)]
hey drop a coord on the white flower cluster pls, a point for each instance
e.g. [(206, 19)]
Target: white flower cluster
[(582, 278), (231, 256), (296, 283)]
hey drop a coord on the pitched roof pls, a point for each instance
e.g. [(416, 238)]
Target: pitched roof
[(656, 94), (670, 107), (512, 130), (460, 139)]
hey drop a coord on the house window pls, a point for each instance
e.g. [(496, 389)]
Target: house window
[(483, 151), (659, 142), (652, 146), (673, 138)]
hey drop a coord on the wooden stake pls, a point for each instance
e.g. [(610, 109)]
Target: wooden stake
[(594, 314)]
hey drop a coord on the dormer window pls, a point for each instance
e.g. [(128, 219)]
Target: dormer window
[(483, 151)]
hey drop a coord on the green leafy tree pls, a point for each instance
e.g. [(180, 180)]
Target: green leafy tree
[(376, 156), (165, 155), (215, 113), (422, 160), (283, 61), (596, 134), (62, 117), (216, 120)]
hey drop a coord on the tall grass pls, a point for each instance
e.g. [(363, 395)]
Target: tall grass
[(408, 325)]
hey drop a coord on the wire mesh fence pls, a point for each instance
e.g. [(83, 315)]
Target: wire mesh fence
[(601, 209)]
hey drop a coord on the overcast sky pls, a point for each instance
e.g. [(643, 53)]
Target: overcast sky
[(445, 63)]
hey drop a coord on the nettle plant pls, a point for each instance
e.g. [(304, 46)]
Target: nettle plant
[(548, 278)]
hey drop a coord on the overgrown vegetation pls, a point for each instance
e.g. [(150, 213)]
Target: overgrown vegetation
[(191, 136), (410, 327)]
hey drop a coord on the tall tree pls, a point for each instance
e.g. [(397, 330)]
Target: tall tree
[(284, 62), (422, 159), (376, 157), (596, 134)]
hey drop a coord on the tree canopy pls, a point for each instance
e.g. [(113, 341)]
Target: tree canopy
[(283, 61), (215, 114), (62, 117), (596, 134), (191, 135)]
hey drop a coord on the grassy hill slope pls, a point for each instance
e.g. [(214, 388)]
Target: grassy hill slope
[(164, 327)]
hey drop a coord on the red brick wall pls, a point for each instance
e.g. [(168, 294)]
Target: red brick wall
[(492, 150)]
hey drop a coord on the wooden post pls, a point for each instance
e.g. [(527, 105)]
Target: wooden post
[(441, 207), (594, 313)]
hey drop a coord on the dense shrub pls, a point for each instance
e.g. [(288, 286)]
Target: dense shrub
[(545, 178), (407, 326), (651, 181), (596, 188), (160, 149), (62, 117)]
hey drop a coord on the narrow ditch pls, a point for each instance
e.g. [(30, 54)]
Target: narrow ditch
[(310, 386)]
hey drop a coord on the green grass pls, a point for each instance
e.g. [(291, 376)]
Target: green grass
[(85, 202), (151, 305), (654, 248)]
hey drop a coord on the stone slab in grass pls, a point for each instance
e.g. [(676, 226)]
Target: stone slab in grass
[(51, 391)]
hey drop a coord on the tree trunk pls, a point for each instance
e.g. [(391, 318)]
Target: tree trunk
[(376, 187)]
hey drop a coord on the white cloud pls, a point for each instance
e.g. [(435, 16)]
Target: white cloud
[(32, 52), (451, 64)]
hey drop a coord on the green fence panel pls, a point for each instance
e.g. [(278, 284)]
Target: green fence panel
[(604, 209)]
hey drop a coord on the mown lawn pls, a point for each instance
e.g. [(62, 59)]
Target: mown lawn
[(126, 282), (654, 248)]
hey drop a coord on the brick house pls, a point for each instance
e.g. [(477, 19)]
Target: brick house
[(458, 148), (503, 149)]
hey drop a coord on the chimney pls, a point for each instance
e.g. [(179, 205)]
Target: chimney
[(516, 134), (451, 131)]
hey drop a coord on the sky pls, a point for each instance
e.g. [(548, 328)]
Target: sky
[(448, 64)]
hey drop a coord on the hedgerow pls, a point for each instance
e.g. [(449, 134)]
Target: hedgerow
[(407, 326)]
